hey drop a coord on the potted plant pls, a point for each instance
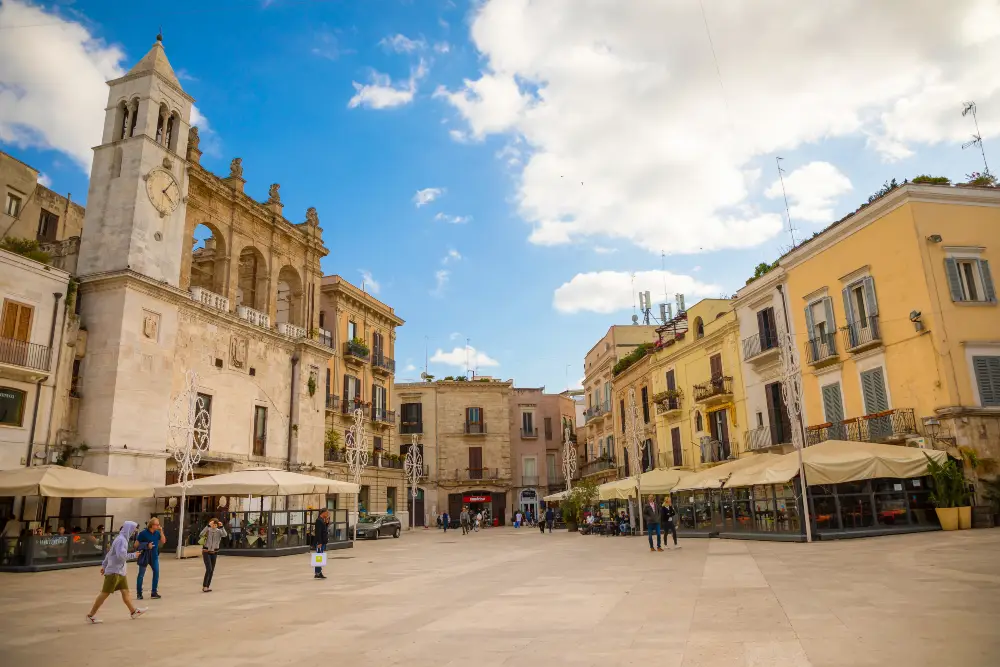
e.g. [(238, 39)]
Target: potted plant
[(949, 493), (992, 495)]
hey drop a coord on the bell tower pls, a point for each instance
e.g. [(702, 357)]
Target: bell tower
[(136, 204)]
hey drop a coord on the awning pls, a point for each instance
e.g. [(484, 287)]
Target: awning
[(52, 481), (618, 489), (259, 482), (556, 497), (661, 481), (836, 461), (713, 478)]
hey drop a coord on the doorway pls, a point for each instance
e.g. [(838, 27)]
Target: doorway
[(416, 508)]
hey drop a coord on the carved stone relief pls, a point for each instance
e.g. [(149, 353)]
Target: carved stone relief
[(238, 352), (150, 325)]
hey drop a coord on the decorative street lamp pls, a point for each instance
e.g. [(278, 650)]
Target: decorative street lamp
[(569, 458), (356, 450), (791, 393), (413, 466), (189, 425), (634, 446)]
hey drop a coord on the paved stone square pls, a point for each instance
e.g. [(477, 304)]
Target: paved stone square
[(514, 597)]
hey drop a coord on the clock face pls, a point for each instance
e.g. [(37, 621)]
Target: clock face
[(163, 191)]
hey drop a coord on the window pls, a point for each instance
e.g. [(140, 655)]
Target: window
[(411, 418), (474, 420), (760, 419), (363, 499), (819, 318), (610, 444), (322, 317), (11, 406), (204, 424), (16, 322), (987, 370), (259, 430), (675, 445), (969, 279), (13, 207), (377, 347), (645, 405), (377, 443), (767, 329), (873, 391), (550, 467), (328, 382), (715, 365), (527, 424), (379, 401), (861, 310), (699, 328), (390, 499), (699, 425), (475, 462), (352, 330), (548, 428), (529, 466), (621, 411), (352, 391), (833, 406), (48, 226), (74, 386)]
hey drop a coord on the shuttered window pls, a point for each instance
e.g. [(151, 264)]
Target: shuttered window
[(987, 370), (16, 324), (970, 279), (833, 408), (873, 389), (675, 444)]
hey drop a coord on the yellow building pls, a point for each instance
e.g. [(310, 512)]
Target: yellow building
[(897, 322), (634, 376), (697, 387)]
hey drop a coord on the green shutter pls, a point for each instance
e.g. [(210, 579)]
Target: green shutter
[(833, 409), (873, 389), (852, 330), (987, 278), (871, 303), (954, 280), (987, 370)]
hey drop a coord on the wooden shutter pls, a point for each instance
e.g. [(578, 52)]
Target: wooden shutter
[(375, 404), (475, 458), (849, 306), (645, 405), (831, 325), (420, 412), (773, 419), (671, 381), (675, 444), (715, 361), (713, 427), (810, 323), (987, 370), (833, 408), (987, 278), (548, 428), (357, 389), (347, 387), (622, 413), (16, 321), (954, 280)]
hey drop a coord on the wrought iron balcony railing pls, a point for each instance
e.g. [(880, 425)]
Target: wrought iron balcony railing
[(407, 428), (332, 403), (758, 344), (820, 349), (324, 337), (383, 364), (471, 474), (717, 386), (23, 353), (383, 416), (597, 465), (475, 428), (355, 351), (764, 437), (861, 334), (714, 451), (668, 401), (668, 460), (889, 426), (529, 432)]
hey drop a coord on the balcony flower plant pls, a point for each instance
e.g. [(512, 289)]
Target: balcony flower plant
[(359, 346)]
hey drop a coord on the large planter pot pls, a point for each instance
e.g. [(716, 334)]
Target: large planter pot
[(571, 526), (965, 517), (948, 517)]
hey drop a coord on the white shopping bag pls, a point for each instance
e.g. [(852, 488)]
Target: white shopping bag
[(318, 559)]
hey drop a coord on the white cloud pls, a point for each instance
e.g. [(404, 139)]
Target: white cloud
[(812, 190), (382, 93), (462, 357), (327, 45), (409, 368), (44, 180), (442, 47), (402, 44), (371, 285), (601, 250), (455, 335), (610, 291), (52, 76), (453, 219), (210, 143), (427, 195), (441, 278), (452, 256), (626, 99)]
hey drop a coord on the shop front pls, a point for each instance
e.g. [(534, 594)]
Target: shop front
[(528, 501), (492, 504)]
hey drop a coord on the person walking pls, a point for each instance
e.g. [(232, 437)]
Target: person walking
[(213, 533), (479, 520), (517, 519), (550, 518), (113, 571), (464, 517), (667, 515), (651, 515), (235, 528), (321, 537), (149, 542), (444, 521)]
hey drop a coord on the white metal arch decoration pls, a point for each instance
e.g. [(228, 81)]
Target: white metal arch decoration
[(356, 451), (190, 424)]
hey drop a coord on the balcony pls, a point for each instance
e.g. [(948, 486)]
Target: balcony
[(597, 465), (717, 388), (21, 354), (862, 334), (333, 403), (383, 365), (667, 460), (556, 484), (668, 402), (348, 406), (381, 416), (529, 480), (210, 299), (406, 428), (821, 350), (760, 347), (889, 426), (716, 451), (475, 428), (290, 330), (597, 411), (471, 474), (764, 437), (324, 337), (384, 460), (355, 352), (335, 455), (254, 317), (529, 433)]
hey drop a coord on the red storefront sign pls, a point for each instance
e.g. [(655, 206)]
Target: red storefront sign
[(476, 499)]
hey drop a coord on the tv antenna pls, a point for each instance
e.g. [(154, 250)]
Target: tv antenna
[(781, 177), (977, 139), (663, 273), (635, 318)]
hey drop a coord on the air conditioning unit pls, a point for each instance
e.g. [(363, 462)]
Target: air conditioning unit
[(921, 443)]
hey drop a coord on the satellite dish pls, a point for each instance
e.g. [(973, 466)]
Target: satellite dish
[(635, 319), (423, 376)]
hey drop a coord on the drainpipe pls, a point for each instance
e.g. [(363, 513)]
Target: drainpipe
[(55, 384), (38, 385), (802, 430), (291, 405)]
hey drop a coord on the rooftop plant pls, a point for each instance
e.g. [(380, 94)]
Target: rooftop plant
[(924, 179), (29, 248), (635, 355)]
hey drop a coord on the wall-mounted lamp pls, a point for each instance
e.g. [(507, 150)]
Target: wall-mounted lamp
[(915, 318), (934, 238)]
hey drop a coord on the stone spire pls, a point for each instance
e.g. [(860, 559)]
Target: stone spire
[(156, 61)]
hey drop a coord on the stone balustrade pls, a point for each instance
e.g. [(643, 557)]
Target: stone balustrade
[(210, 299), (254, 317), (291, 330)]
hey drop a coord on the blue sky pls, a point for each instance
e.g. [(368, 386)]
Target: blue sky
[(575, 144)]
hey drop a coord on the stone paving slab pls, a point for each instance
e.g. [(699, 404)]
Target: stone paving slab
[(507, 598)]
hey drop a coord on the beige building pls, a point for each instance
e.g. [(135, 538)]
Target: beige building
[(463, 431), (596, 445), (538, 423), (635, 377), (361, 331)]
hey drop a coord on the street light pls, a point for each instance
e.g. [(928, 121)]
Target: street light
[(189, 427), (412, 466), (356, 450)]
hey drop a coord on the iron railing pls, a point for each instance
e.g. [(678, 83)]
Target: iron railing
[(717, 386), (862, 333), (886, 426), (597, 465), (347, 406), (529, 480), (382, 364), (714, 451), (324, 338), (758, 343), (821, 348), (529, 432), (475, 428), (383, 416), (23, 353), (764, 437), (354, 350), (668, 401), (668, 460), (471, 474), (332, 403), (411, 427)]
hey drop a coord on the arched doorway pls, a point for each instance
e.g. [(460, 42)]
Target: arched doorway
[(289, 301)]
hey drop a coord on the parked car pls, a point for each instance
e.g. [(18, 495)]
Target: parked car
[(375, 526)]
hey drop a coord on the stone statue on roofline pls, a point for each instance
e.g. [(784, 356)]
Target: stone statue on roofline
[(273, 196), (236, 168), (312, 218), (193, 138)]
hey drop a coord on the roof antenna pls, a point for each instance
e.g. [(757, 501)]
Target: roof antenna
[(634, 316), (791, 230), (977, 139), (159, 35), (663, 273), (467, 358)]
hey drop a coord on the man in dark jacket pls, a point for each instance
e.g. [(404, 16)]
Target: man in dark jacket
[(321, 535), (667, 514), (550, 518), (651, 516)]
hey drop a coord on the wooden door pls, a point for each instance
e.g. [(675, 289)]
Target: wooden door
[(675, 445), (715, 361), (499, 507)]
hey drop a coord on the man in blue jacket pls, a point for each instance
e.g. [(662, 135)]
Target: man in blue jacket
[(149, 542)]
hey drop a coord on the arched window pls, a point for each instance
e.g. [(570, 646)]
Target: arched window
[(252, 280), (289, 298), (121, 121), (699, 425), (209, 263), (699, 328), (171, 140), (161, 120), (133, 114)]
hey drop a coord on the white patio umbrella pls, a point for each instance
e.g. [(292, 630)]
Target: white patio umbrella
[(259, 482), (53, 481)]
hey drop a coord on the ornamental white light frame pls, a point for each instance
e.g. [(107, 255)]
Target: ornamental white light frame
[(356, 451), (190, 424), (791, 392), (413, 467), (635, 447), (569, 457)]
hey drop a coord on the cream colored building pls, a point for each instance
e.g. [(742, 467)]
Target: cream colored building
[(538, 423), (634, 384), (463, 431)]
